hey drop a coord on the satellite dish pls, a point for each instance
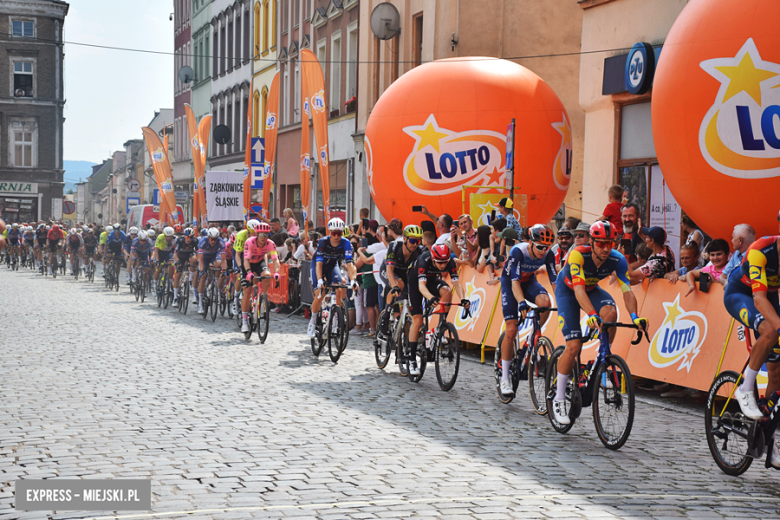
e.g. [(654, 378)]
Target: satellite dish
[(186, 74), (385, 21), (222, 134)]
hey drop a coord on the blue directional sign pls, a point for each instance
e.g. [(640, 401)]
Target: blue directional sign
[(258, 160)]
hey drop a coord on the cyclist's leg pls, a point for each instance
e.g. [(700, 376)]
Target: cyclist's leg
[(509, 307), (416, 300), (535, 292), (605, 305)]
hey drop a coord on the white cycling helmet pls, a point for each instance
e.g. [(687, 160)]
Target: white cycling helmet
[(335, 224), (133, 230), (150, 233), (15, 225), (213, 233), (142, 235), (72, 231), (117, 225), (252, 224), (168, 231)]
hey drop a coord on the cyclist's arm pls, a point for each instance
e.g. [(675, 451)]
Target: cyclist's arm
[(351, 271), (630, 300), (423, 285), (318, 270), (458, 288)]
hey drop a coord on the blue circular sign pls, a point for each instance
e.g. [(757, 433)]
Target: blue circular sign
[(640, 67)]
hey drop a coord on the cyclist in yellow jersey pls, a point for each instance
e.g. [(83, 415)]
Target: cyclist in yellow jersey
[(238, 258), (163, 248)]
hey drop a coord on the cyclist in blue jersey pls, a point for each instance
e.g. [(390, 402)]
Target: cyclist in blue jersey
[(114, 242), (141, 251), (577, 289), (128, 243), (325, 268), (210, 253), (14, 237), (518, 284)]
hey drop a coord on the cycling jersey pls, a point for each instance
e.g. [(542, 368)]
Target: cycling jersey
[(329, 255), (760, 266), (13, 236), (580, 269), (127, 243), (142, 248), (255, 252), (163, 245), (401, 266), (29, 237), (207, 249), (521, 267), (183, 249), (241, 238), (426, 271), (74, 241), (103, 238), (90, 241), (116, 237), (41, 235), (426, 268), (54, 236)]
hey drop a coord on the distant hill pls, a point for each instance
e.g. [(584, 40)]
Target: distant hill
[(75, 170)]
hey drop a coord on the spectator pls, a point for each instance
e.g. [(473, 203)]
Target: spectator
[(290, 245), (741, 238), (395, 230), (361, 325), (506, 208), (443, 226), (429, 239), (465, 246), (695, 235), (612, 213), (290, 223), (508, 239), (689, 261), (571, 222), (643, 253), (561, 249), (660, 262), (276, 226), (631, 238), (487, 256), (718, 251), (364, 263), (582, 234)]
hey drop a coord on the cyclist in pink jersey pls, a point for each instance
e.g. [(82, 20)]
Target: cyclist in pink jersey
[(256, 249)]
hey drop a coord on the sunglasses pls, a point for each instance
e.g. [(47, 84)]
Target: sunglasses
[(413, 241), (604, 244), (580, 235), (212, 239), (540, 247), (335, 233), (439, 262)]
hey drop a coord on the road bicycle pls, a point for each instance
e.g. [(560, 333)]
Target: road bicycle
[(226, 295), (62, 263), (259, 312), (441, 345), (91, 270), (733, 438), (184, 286), (74, 264), (164, 286), (113, 266), (54, 264), (604, 384), (210, 295), (141, 284), (335, 319), (529, 362), (45, 264), (389, 330)]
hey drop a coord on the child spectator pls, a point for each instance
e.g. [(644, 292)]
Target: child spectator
[(689, 261), (612, 212), (718, 251)]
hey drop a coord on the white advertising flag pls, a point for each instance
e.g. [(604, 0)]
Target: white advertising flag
[(225, 196)]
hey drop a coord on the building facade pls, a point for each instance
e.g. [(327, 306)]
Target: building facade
[(264, 66), (202, 48), (31, 109), (181, 162)]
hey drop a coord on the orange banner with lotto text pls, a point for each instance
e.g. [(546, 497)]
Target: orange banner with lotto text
[(162, 173), (271, 129), (197, 163), (204, 130), (315, 83), (305, 154), (687, 334)]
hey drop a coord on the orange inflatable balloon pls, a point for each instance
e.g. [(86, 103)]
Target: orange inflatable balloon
[(443, 125), (716, 114)]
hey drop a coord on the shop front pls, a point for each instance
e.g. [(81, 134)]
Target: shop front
[(20, 201)]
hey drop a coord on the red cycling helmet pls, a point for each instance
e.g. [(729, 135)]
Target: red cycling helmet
[(602, 230), (177, 229), (440, 252)]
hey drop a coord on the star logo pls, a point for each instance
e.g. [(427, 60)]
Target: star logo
[(494, 177), (679, 338), (429, 135)]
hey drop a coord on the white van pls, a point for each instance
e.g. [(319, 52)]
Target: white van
[(142, 214)]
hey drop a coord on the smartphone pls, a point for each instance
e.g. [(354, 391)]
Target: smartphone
[(704, 282), (417, 209), (364, 242)]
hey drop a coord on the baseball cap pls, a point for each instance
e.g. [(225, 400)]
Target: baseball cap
[(508, 233), (506, 203), (373, 225), (657, 233)]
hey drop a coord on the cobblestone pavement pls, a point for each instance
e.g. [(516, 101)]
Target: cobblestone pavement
[(95, 385)]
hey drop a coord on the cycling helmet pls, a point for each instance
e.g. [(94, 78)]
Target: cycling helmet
[(189, 232), (233, 236), (41, 226), (262, 227), (133, 230), (413, 231), (15, 225), (177, 229), (602, 230), (204, 232), (440, 252), (72, 231), (213, 232), (541, 234), (336, 224), (117, 226), (90, 230), (143, 235), (168, 231), (151, 233), (253, 224)]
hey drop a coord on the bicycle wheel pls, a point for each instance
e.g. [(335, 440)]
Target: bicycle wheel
[(253, 310), (143, 285), (223, 300), (213, 300), (345, 314), (421, 356), (613, 402), (160, 289), (572, 399), (402, 348), (336, 332), (239, 315), (726, 427), (318, 341), (447, 351), (384, 341), (230, 298), (514, 374), (537, 372), (263, 318)]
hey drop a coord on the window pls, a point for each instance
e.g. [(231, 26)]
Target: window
[(23, 28), (222, 47), (222, 122), (229, 123), (295, 12), (230, 45), (335, 74), (244, 123), (204, 51), (24, 134), (256, 115), (257, 29), (214, 123), (322, 54), (352, 45), (214, 54), (238, 40), (273, 24), (237, 125), (246, 35), (417, 39), (284, 95), (285, 12), (264, 95), (23, 79)]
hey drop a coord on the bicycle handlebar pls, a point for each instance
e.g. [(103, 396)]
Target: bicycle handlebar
[(605, 326), (466, 311)]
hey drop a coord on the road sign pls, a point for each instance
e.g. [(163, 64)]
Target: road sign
[(156, 197), (132, 201), (133, 184), (257, 170), (256, 208), (181, 197), (68, 207)]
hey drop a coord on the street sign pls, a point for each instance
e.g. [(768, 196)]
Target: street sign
[(133, 184), (257, 168), (68, 207), (156, 197), (132, 201), (181, 196), (256, 208)]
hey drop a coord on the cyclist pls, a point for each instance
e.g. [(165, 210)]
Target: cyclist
[(114, 243), (162, 251), (325, 268), (238, 262), (431, 266), (751, 297), (518, 284), (140, 251), (54, 238), (14, 237), (102, 248), (126, 245), (258, 250), (40, 244), (184, 255), (577, 288), (29, 240), (90, 246), (74, 244), (210, 251)]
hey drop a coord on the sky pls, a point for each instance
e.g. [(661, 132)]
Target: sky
[(111, 94)]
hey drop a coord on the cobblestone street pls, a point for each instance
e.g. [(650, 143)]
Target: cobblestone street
[(95, 385)]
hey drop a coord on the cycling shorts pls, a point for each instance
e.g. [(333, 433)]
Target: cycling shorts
[(163, 256), (260, 268), (329, 277), (29, 241), (115, 248), (89, 250), (13, 241), (184, 259), (433, 285), (531, 290), (569, 308), (209, 259), (142, 257), (738, 299), (73, 247), (53, 247)]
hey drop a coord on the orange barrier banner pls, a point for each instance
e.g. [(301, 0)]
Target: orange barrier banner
[(686, 333), (280, 295)]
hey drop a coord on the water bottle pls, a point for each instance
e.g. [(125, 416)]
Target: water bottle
[(428, 336)]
